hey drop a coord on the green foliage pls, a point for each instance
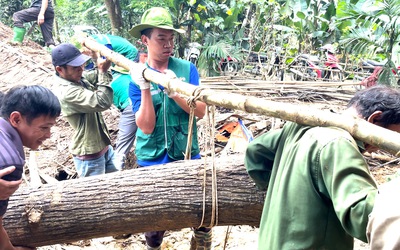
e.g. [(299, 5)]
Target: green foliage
[(8, 8), (225, 28), (375, 30), (215, 50), (81, 12)]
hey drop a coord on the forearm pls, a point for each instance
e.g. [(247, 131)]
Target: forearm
[(104, 78), (199, 111), (44, 6), (146, 117), (82, 100)]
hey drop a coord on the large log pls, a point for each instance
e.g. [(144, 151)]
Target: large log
[(133, 201), (303, 114)]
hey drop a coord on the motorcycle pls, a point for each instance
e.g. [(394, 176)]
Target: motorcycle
[(193, 52), (309, 67), (270, 65)]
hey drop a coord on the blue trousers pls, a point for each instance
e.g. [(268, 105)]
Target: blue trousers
[(102, 165)]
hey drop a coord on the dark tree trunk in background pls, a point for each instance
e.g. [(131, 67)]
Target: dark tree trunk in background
[(167, 197), (115, 15)]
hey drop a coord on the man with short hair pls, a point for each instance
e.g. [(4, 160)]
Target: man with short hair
[(82, 103), (27, 115), (320, 191), (162, 116)]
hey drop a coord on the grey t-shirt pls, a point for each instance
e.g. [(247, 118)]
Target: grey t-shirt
[(38, 3)]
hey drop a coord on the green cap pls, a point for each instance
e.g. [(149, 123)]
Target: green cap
[(155, 17)]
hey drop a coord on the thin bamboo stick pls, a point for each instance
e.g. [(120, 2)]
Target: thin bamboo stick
[(367, 132)]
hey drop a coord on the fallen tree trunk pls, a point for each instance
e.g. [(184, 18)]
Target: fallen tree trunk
[(163, 197), (367, 132)]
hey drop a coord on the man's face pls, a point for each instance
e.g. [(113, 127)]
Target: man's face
[(161, 44), (33, 134), (71, 73)]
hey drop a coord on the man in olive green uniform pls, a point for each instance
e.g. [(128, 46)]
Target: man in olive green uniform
[(82, 102), (319, 188)]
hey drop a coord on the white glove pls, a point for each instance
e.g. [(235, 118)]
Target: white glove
[(170, 75), (136, 73)]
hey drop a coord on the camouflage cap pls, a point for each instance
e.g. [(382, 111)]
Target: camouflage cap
[(155, 17)]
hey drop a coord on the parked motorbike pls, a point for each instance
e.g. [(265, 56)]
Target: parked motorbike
[(306, 67), (270, 65), (193, 52), (228, 65)]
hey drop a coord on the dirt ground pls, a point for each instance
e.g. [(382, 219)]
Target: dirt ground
[(55, 161)]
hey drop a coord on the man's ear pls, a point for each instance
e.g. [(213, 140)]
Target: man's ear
[(59, 69), (15, 119), (144, 39), (375, 117)]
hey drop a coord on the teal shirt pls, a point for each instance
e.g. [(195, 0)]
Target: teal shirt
[(119, 45), (319, 188), (170, 133), (120, 86)]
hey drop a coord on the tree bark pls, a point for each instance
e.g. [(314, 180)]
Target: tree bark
[(165, 197), (114, 12)]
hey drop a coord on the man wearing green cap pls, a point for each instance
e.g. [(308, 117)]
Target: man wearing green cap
[(162, 117)]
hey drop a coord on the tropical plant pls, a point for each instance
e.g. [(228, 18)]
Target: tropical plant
[(8, 9), (375, 29), (313, 23)]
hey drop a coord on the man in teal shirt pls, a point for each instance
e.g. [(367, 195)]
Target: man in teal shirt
[(163, 117), (319, 188)]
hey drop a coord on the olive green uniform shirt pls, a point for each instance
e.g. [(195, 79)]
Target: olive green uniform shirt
[(82, 105), (319, 188)]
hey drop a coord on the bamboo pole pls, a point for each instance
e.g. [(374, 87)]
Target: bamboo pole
[(367, 132)]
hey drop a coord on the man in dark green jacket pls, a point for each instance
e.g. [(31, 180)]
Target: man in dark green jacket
[(319, 188), (82, 101)]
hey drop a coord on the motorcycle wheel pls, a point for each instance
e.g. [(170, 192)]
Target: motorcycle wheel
[(336, 76), (193, 60), (277, 73), (301, 72), (361, 74), (230, 67)]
